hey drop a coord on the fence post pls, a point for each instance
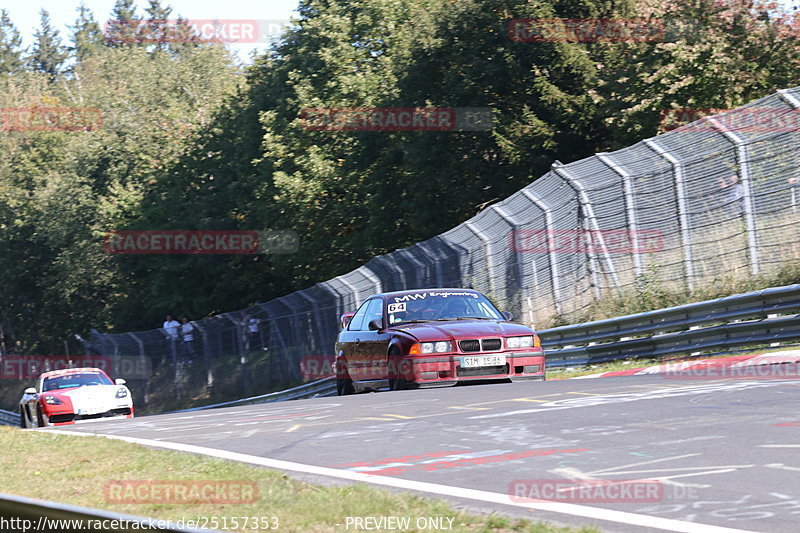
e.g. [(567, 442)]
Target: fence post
[(487, 253), (683, 210), (630, 208), (744, 176), (241, 340), (206, 354), (508, 219), (588, 210), (555, 278)]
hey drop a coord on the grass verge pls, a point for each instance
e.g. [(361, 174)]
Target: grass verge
[(76, 470)]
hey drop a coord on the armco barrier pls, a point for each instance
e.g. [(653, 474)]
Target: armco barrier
[(315, 389), (753, 318), (41, 515), (7, 418)]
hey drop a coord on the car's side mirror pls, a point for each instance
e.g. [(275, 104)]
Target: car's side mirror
[(345, 319), (508, 315), (375, 325), (120, 381), (30, 390)]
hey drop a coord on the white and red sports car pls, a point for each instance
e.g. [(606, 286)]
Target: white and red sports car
[(65, 396)]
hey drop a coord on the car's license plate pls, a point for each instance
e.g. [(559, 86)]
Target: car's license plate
[(483, 360)]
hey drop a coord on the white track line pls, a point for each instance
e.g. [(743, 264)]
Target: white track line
[(572, 509)]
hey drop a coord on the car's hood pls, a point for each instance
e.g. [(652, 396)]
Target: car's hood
[(461, 329), (93, 396)]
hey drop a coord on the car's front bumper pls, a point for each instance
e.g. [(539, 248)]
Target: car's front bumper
[(447, 368), (60, 418)]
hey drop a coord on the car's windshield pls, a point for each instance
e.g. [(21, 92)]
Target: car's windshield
[(440, 305), (69, 381)]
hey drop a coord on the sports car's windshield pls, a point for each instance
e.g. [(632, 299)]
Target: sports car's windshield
[(440, 305), (75, 380)]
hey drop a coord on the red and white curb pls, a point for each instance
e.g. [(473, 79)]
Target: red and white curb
[(739, 366)]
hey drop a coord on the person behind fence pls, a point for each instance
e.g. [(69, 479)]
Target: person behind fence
[(187, 335), (171, 327), (253, 332), (732, 195)]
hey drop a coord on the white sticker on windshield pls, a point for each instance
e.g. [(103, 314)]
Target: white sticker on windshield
[(397, 308)]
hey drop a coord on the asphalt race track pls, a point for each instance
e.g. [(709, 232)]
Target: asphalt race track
[(726, 452)]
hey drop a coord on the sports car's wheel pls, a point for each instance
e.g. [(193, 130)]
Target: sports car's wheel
[(344, 385), (394, 364), (40, 417), (23, 422)]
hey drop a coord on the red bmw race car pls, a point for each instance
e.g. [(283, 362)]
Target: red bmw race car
[(432, 337), (64, 396)]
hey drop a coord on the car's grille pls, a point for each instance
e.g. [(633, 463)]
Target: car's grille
[(470, 345), (476, 345), (59, 419), (482, 371), (490, 345)]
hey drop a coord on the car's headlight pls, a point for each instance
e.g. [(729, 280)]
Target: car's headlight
[(436, 347), (52, 400), (122, 392), (519, 342)]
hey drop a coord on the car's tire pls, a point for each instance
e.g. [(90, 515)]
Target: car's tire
[(344, 385), (40, 417), (23, 420), (394, 362)]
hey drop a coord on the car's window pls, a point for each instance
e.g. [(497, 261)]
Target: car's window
[(371, 310), (440, 305), (358, 318), (374, 311), (75, 380)]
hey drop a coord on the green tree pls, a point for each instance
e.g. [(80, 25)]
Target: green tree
[(123, 27), (48, 54), (156, 29), (87, 36), (11, 51)]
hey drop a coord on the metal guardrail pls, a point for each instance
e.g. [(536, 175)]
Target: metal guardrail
[(315, 389), (7, 418), (753, 318), (26, 514)]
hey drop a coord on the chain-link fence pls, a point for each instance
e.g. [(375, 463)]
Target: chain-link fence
[(712, 199)]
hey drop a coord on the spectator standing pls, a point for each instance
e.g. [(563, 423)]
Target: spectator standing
[(253, 328), (187, 334), (171, 327)]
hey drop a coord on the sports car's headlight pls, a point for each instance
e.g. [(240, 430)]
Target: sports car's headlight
[(52, 400), (122, 392), (436, 347), (519, 342)]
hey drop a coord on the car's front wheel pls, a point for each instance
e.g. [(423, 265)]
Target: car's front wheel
[(23, 420), (397, 380), (344, 385), (40, 417)]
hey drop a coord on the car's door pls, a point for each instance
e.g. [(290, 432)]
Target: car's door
[(374, 344), (349, 340)]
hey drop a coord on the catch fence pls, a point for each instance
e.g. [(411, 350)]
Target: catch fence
[(716, 198)]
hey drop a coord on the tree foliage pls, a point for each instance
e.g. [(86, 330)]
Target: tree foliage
[(190, 140)]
